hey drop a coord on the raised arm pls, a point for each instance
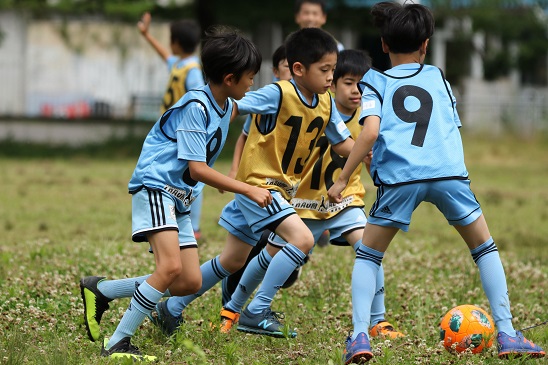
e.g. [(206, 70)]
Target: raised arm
[(143, 26)]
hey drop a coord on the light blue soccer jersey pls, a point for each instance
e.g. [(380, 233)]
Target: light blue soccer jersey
[(194, 129), (419, 138)]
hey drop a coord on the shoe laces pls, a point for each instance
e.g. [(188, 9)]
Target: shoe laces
[(127, 347), (274, 315)]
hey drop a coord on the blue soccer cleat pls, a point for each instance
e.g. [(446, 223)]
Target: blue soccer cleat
[(517, 346), (357, 351)]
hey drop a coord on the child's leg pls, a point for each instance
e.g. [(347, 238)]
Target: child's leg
[(369, 257), (230, 260), (230, 283), (486, 256), (252, 277), (165, 245), (293, 230)]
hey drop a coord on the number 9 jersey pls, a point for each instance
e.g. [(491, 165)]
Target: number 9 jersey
[(419, 138)]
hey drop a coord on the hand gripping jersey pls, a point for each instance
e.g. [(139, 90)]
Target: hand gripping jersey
[(419, 138), (176, 86), (279, 146), (324, 167), (194, 129)]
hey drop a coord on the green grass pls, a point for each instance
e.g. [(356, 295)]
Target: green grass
[(68, 215)]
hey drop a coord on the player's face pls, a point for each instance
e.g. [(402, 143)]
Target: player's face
[(317, 78), (243, 85), (347, 95), (282, 71), (310, 16)]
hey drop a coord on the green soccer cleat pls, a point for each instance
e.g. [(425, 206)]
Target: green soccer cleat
[(125, 350), (95, 304)]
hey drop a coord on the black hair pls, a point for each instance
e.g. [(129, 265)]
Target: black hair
[(308, 45), (299, 4), (351, 62), (403, 27), (226, 51), (186, 33), (278, 56)]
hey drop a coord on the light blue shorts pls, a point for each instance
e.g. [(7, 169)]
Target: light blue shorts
[(154, 211), (346, 221), (395, 204), (244, 219)]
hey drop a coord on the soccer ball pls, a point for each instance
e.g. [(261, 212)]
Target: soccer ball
[(467, 327)]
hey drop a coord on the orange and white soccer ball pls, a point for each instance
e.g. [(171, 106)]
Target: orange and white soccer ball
[(467, 327)]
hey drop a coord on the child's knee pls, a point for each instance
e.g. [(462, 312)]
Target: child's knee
[(305, 243)]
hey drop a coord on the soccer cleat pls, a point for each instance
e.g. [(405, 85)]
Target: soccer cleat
[(517, 346), (228, 319), (265, 323), (164, 320), (124, 350), (386, 330), (95, 304), (357, 351)]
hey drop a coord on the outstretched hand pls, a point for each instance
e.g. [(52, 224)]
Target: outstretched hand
[(335, 191), (144, 23)]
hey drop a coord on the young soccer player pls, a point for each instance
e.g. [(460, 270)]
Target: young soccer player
[(294, 114), (280, 71), (175, 163), (344, 220), (185, 74), (411, 122)]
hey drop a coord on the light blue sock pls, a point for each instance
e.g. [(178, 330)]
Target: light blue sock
[(281, 266), (143, 301), (366, 268), (212, 273), (196, 212), (122, 288), (377, 308), (252, 277), (493, 279)]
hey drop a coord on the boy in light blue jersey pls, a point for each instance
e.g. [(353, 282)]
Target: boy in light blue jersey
[(274, 155), (176, 161), (185, 74), (411, 123)]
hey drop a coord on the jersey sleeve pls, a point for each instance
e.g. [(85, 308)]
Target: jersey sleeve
[(247, 125), (192, 133), (170, 61), (336, 130), (371, 97), (194, 79), (263, 101)]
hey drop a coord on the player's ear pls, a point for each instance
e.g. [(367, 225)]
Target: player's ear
[(298, 69), (229, 79), (424, 46), (385, 48)]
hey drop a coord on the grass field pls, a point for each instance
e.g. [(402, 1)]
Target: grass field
[(66, 217)]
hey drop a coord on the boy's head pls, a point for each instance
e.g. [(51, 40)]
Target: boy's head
[(185, 34), (351, 66), (280, 67), (312, 56), (310, 13), (226, 53), (404, 28)]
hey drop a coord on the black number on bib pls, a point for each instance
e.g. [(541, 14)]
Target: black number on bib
[(421, 116), (169, 98), (337, 162), (296, 123), (213, 147)]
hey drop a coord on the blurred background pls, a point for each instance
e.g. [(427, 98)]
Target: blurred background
[(76, 62)]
